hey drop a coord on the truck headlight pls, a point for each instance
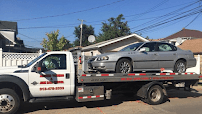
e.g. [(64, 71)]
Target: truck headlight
[(102, 58)]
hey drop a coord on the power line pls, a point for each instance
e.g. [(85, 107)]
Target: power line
[(151, 9), (162, 23), (194, 18), (29, 37), (71, 12), (166, 15), (160, 9), (40, 27), (145, 31), (73, 25)]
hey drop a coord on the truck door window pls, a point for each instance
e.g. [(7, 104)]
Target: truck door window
[(55, 61)]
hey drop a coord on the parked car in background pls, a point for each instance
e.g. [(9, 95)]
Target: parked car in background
[(144, 56)]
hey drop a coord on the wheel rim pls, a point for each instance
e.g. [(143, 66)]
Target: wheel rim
[(7, 103), (155, 95), (124, 67), (180, 67)]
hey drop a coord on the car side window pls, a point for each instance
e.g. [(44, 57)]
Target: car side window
[(150, 47), (165, 47), (54, 61)]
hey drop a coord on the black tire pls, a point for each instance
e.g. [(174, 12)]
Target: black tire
[(9, 101), (155, 95), (180, 66), (126, 66)]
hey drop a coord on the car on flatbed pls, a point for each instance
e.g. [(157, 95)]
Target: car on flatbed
[(144, 56)]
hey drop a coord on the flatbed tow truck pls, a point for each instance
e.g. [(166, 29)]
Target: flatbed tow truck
[(53, 77)]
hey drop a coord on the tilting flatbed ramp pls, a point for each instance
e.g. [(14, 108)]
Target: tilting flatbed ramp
[(119, 77)]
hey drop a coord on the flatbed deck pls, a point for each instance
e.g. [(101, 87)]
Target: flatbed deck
[(119, 77)]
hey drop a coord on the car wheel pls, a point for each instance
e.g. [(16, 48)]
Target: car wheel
[(123, 66), (9, 101), (180, 67)]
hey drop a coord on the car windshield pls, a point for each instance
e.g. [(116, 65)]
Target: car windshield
[(33, 61), (132, 47)]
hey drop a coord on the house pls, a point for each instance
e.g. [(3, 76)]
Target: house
[(183, 35), (8, 40), (8, 32), (195, 46), (112, 45)]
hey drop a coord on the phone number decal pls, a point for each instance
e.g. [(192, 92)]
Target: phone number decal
[(51, 88)]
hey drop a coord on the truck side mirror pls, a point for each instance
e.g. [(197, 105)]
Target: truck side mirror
[(39, 67), (142, 50)]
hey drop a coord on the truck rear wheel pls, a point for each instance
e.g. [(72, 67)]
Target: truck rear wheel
[(9, 101), (155, 95)]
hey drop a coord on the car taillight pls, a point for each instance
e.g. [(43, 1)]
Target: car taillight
[(80, 59)]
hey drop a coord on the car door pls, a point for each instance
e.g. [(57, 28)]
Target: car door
[(147, 59), (54, 80), (167, 55)]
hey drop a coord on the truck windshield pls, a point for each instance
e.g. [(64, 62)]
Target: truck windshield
[(132, 47), (33, 61)]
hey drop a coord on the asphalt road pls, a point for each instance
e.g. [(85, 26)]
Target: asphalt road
[(180, 102)]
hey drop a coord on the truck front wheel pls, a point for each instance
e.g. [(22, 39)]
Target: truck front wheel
[(9, 101), (155, 95)]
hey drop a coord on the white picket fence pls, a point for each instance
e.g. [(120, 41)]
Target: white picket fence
[(13, 59)]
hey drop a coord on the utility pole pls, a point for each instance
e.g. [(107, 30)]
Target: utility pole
[(81, 26)]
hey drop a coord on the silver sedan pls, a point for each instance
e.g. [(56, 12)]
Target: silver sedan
[(144, 56)]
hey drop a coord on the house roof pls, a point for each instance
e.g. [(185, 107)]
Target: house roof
[(8, 26), (185, 33), (108, 42), (154, 39), (194, 45)]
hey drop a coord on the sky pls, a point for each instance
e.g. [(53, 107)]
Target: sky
[(153, 18)]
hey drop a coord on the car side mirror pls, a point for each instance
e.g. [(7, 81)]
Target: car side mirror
[(142, 50)]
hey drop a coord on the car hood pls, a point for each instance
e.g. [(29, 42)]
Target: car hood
[(9, 69)]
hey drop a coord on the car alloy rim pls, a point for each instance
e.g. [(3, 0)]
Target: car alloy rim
[(7, 103), (125, 67), (155, 95), (180, 67)]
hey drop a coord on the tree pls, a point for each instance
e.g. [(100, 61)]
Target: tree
[(53, 43), (147, 38), (87, 31), (113, 29)]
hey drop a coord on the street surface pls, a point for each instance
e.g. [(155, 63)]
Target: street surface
[(181, 102)]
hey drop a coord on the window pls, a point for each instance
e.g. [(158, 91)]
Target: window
[(166, 47), (149, 46), (55, 61), (132, 47)]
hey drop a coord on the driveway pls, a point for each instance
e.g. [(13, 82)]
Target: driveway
[(180, 101)]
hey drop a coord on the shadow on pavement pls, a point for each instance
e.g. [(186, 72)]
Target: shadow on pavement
[(116, 100), (183, 94)]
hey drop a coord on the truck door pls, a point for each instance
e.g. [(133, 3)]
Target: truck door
[(54, 80)]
